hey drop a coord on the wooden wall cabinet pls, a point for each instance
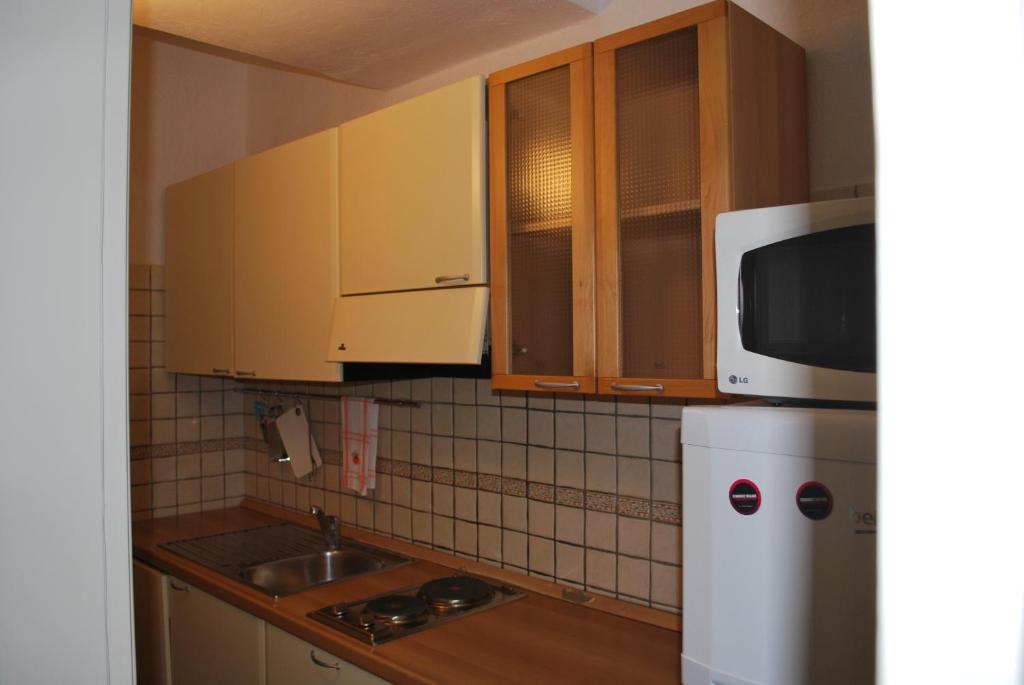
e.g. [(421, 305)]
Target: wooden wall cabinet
[(694, 114), (291, 661), (212, 641), (199, 274), (542, 224)]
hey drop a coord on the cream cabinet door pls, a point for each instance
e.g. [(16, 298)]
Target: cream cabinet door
[(291, 661), (286, 259), (152, 643), (213, 642), (199, 225), (412, 193)]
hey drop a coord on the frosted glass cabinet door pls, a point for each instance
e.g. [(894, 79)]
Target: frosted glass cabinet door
[(542, 231), (213, 642), (697, 113), (286, 260), (199, 274), (413, 193), (291, 661)]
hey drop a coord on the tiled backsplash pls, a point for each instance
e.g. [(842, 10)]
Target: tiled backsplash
[(187, 447), (583, 491)]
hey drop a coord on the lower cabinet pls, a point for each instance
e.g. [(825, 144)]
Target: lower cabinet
[(152, 640), (291, 661), (213, 642), (183, 636)]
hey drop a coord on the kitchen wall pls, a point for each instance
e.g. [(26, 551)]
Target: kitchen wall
[(833, 32), (585, 491), (195, 108), (186, 432)]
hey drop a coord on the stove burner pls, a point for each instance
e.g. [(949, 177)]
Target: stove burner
[(455, 593), (401, 610)]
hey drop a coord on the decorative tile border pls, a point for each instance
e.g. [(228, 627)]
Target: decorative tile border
[(513, 486), (666, 512), (569, 497), (542, 492), (630, 507), (489, 483), (599, 501), (634, 507)]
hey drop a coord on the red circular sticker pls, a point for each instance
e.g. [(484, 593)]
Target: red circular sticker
[(745, 497), (814, 500)]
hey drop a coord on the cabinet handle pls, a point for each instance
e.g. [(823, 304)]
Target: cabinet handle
[(639, 388), (178, 589), (322, 664), (222, 370), (575, 385), (453, 277), (245, 373)]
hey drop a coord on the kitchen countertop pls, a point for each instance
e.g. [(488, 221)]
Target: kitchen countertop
[(538, 639)]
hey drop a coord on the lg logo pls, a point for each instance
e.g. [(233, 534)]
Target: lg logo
[(738, 379)]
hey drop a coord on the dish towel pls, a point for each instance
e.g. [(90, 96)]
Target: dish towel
[(359, 443)]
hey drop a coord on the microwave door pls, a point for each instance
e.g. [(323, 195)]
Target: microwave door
[(810, 299)]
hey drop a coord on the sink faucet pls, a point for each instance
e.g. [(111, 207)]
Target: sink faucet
[(328, 527)]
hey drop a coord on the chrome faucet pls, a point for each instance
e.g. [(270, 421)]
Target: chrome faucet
[(328, 527)]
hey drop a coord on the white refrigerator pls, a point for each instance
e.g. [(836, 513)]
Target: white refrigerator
[(779, 525)]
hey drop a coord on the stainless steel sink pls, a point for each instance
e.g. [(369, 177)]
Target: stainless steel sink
[(288, 576), (284, 559)]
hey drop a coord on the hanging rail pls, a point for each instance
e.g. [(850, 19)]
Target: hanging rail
[(323, 396)]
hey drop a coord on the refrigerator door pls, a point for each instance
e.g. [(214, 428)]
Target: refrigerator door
[(778, 548)]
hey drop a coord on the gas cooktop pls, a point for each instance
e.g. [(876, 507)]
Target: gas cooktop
[(392, 615)]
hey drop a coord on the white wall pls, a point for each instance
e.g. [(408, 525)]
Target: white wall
[(951, 537), (65, 561), (194, 110), (834, 33)]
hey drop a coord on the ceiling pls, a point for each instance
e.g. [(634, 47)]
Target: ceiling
[(373, 43)]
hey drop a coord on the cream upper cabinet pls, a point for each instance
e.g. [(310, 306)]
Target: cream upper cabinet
[(213, 642), (286, 259), (290, 661), (199, 273), (412, 193)]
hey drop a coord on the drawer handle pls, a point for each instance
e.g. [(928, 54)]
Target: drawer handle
[(639, 388), (245, 373), (322, 664), (222, 370), (178, 589), (575, 385), (452, 277)]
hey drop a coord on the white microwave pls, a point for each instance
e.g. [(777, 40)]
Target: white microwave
[(796, 301)]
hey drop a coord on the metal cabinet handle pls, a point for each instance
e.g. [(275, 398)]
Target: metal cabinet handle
[(322, 664), (453, 277), (575, 385), (222, 370), (178, 589), (245, 373), (639, 388)]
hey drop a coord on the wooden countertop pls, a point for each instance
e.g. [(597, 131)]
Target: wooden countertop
[(538, 639)]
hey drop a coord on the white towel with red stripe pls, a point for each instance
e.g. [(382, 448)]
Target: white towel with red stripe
[(359, 443)]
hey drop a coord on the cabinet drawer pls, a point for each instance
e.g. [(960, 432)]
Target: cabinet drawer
[(291, 661)]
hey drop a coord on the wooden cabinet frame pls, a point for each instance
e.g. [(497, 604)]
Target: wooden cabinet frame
[(580, 62), (753, 153)]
